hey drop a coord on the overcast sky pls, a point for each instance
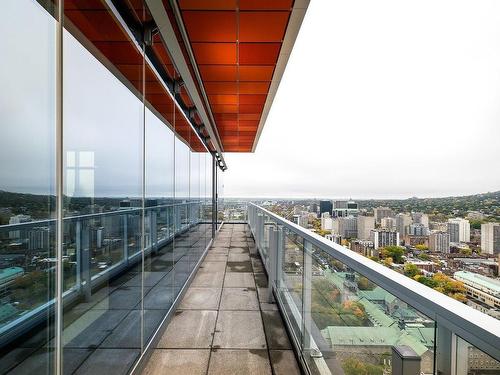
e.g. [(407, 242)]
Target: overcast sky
[(383, 99)]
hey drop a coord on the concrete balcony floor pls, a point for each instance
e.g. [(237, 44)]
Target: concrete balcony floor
[(225, 323)]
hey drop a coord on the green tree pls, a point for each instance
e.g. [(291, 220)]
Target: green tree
[(353, 366), (365, 284), (394, 252), (411, 270)]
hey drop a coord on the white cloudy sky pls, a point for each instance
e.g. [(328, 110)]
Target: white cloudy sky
[(383, 99)]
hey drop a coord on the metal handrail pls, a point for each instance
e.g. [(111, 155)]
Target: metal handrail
[(19, 226), (479, 329)]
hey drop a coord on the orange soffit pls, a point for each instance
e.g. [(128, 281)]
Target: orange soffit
[(236, 45)]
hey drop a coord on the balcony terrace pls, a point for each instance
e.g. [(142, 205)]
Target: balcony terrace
[(225, 323)]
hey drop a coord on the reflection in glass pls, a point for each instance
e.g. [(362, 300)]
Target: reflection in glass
[(472, 361), (27, 181), (355, 323)]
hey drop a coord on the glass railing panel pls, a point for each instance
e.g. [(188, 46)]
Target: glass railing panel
[(290, 283), (235, 210), (354, 324), (472, 361)]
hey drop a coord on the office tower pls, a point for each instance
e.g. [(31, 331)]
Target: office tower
[(314, 208), (402, 223), (490, 238), (388, 223), (326, 221), (459, 230), (420, 218), (325, 206), (365, 225), (439, 242), (343, 208), (18, 219), (418, 229), (381, 212), (348, 226), (384, 237), (38, 238)]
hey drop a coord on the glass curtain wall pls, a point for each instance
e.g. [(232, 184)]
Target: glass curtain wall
[(136, 181), (27, 184)]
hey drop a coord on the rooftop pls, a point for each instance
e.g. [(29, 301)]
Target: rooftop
[(486, 282)]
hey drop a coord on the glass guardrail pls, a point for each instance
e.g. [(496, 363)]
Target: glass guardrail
[(348, 314), (96, 248)]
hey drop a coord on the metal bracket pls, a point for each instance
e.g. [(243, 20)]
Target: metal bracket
[(178, 83), (149, 31)]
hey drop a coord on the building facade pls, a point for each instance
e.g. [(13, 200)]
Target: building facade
[(439, 242), (459, 230), (490, 238), (384, 237), (365, 225)]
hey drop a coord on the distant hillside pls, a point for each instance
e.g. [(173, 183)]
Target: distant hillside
[(488, 203)]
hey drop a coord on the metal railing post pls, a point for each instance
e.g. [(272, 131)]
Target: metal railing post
[(78, 253), (306, 296), (86, 261), (125, 238), (272, 256), (260, 230), (280, 250), (444, 355)]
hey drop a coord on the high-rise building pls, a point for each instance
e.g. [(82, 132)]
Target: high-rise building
[(420, 218), (439, 242), (38, 238), (402, 223), (388, 223), (459, 230), (490, 238), (384, 237), (314, 208), (381, 212), (344, 208), (326, 221), (325, 206), (18, 219), (365, 225), (348, 226), (418, 229)]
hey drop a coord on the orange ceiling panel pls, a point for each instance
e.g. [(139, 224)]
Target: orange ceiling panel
[(259, 53), (210, 26), (266, 4), (256, 72), (208, 4), (221, 88), (236, 45), (219, 72), (252, 99), (223, 99), (215, 53), (225, 108), (263, 26), (254, 87)]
